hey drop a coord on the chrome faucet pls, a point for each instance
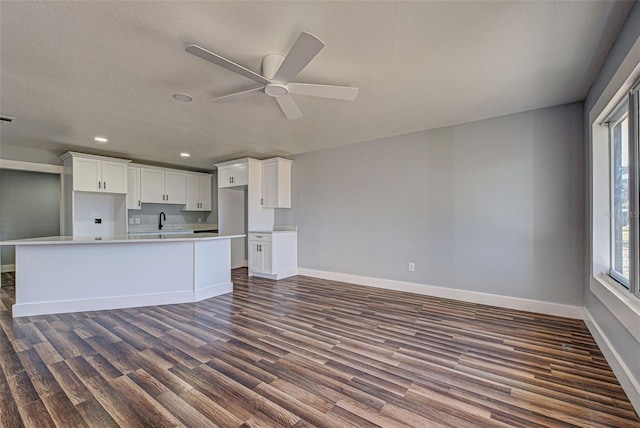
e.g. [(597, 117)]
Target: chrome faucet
[(160, 221)]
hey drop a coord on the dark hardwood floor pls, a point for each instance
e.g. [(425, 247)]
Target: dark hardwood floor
[(304, 352)]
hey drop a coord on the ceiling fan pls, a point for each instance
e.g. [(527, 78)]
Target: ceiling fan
[(277, 73)]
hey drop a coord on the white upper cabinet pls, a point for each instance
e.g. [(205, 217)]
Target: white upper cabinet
[(114, 177), (163, 186), (175, 186), (198, 192), (152, 185), (205, 192), (92, 173), (86, 175), (233, 174), (133, 188), (276, 183)]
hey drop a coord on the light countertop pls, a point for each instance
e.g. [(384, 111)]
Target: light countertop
[(278, 229), (66, 240)]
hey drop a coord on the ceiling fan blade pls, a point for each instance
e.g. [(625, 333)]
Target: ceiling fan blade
[(289, 107), (301, 53), (238, 96), (223, 62), (324, 91)]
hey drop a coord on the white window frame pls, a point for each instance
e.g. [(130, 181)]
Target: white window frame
[(622, 303), (614, 120)]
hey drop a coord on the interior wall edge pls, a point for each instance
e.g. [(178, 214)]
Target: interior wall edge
[(8, 268), (625, 376), (530, 305), (30, 166)]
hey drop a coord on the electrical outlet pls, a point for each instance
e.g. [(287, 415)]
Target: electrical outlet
[(130, 220), (199, 220), (137, 220), (412, 267)]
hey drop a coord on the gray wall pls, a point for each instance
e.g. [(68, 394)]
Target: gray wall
[(622, 342), (29, 207), (494, 206)]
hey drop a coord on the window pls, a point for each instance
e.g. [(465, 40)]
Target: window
[(624, 192), (619, 149)]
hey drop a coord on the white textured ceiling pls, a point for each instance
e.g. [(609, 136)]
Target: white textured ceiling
[(72, 70)]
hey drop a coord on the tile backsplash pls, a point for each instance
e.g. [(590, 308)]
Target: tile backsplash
[(149, 215)]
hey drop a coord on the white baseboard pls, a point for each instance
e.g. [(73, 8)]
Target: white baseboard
[(280, 275), (530, 305), (212, 291), (8, 268), (119, 302), (627, 380)]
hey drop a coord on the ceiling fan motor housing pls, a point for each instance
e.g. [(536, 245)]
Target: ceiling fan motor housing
[(270, 65)]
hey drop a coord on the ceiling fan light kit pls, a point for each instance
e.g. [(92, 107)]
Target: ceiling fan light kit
[(277, 73)]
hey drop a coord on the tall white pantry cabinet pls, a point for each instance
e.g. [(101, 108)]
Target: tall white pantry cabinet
[(249, 190)]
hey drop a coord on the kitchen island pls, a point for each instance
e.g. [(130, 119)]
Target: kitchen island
[(61, 274)]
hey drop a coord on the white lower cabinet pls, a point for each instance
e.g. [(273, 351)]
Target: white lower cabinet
[(260, 257), (273, 255)]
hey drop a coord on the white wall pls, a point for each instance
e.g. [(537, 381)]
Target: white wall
[(494, 206), (29, 154)]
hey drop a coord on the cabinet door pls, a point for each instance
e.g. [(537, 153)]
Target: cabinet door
[(255, 256), (86, 175), (152, 185), (175, 187), (133, 188), (193, 193), (270, 185), (267, 258), (114, 177), (276, 183), (241, 174), (205, 192), (225, 176)]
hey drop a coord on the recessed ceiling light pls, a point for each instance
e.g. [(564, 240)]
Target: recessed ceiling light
[(101, 139), (183, 98), (185, 155)]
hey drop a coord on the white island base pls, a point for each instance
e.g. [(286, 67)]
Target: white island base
[(59, 276)]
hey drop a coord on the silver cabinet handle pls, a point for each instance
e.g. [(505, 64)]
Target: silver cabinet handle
[(167, 197), (138, 202), (105, 185), (99, 184)]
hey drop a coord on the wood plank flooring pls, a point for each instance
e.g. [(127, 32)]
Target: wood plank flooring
[(304, 352)]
